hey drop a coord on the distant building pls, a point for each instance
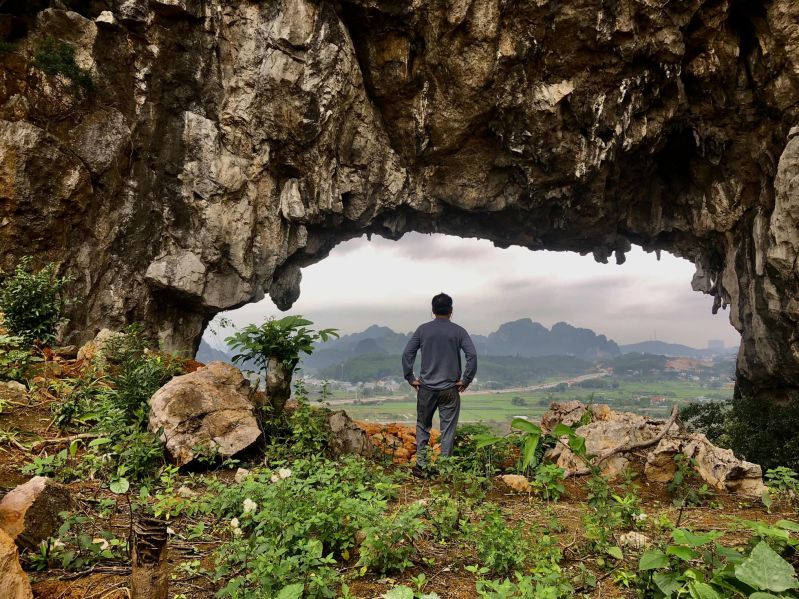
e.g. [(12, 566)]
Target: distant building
[(715, 344)]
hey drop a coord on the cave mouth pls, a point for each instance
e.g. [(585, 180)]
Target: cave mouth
[(373, 280)]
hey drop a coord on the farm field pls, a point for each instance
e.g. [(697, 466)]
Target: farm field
[(501, 407)]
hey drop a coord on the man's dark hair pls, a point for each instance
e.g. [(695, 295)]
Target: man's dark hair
[(442, 305)]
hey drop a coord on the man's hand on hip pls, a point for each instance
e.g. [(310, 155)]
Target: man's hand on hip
[(461, 386), (416, 383)]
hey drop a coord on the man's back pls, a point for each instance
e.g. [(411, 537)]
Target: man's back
[(441, 342)]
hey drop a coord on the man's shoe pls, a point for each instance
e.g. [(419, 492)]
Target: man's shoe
[(419, 472)]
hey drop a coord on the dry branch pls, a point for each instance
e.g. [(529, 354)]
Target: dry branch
[(628, 447), (68, 439)]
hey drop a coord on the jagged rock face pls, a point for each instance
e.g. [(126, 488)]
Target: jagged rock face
[(227, 144)]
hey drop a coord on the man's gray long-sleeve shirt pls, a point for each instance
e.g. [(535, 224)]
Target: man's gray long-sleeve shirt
[(441, 342)]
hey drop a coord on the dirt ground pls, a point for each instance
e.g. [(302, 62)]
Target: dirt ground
[(24, 426)]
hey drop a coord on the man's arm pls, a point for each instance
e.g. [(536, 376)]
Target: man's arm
[(409, 357), (471, 361)]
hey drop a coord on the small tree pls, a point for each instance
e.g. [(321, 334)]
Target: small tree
[(275, 348), (31, 301)]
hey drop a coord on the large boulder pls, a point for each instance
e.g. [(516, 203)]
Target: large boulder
[(31, 512), (212, 408), (608, 430), (14, 583)]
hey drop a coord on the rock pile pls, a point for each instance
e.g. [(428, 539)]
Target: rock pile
[(607, 430), (397, 440)]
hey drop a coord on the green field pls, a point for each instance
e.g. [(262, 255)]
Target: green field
[(498, 407)]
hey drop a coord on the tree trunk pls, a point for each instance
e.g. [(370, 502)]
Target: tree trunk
[(278, 384), (149, 577)]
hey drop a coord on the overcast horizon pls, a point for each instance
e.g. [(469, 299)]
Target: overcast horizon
[(390, 283)]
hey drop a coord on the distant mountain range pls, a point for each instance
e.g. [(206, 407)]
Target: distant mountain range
[(517, 353), (673, 350)]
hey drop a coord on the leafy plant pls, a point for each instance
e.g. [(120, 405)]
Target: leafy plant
[(684, 486), (32, 302), (58, 58), (388, 545), (16, 358), (549, 481), (294, 524), (274, 348), (500, 548), (282, 339), (696, 565), (783, 480)]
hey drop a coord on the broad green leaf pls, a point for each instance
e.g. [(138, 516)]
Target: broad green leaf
[(485, 441), (293, 591), (653, 559), (561, 430), (760, 595), (731, 555), (764, 570), (701, 590), (787, 525), (681, 551), (100, 441), (429, 596), (119, 486), (401, 592), (615, 552), (577, 444), (526, 426), (668, 582), (528, 453), (694, 539)]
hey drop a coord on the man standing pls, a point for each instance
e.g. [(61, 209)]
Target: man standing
[(440, 382)]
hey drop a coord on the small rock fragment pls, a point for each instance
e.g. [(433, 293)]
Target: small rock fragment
[(241, 474), (517, 482)]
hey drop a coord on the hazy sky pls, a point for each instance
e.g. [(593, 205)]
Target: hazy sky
[(391, 282)]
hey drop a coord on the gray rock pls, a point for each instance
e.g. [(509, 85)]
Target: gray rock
[(211, 408)]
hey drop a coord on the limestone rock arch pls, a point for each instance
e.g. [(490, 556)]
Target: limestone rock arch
[(226, 144)]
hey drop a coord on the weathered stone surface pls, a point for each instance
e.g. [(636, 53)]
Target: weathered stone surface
[(634, 540), (211, 408), (718, 467), (95, 348), (14, 583), (29, 513), (254, 136), (347, 437), (13, 391)]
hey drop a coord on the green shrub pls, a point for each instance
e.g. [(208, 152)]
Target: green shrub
[(291, 526), (388, 545), (58, 58), (16, 358), (549, 481), (501, 548), (686, 487), (783, 480), (696, 565), (31, 301)]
